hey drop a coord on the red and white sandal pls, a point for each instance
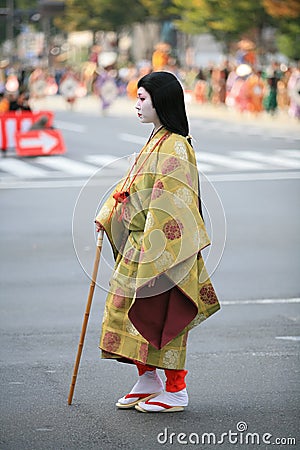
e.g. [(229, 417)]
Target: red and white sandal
[(165, 402), (124, 403), (149, 385)]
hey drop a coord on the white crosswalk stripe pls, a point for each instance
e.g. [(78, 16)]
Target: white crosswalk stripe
[(289, 153), (21, 169), (289, 134), (60, 166), (270, 159), (67, 165), (203, 167), (232, 163), (108, 161)]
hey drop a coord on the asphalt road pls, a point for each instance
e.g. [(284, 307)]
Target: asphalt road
[(243, 363)]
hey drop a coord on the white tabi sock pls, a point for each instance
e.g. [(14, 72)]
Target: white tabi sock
[(167, 399), (148, 383)]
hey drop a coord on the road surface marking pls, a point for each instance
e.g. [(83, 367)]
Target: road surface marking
[(67, 165), (266, 133), (262, 301), (106, 179), (288, 338), (203, 166), (269, 159), (44, 429), (109, 161), (258, 176), (21, 169), (18, 184), (232, 163), (289, 153)]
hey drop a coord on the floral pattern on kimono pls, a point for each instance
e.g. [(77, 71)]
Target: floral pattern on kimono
[(160, 288)]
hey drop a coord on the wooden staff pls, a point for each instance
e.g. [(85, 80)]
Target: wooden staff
[(86, 315)]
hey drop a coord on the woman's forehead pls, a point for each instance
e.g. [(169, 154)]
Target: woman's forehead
[(142, 91)]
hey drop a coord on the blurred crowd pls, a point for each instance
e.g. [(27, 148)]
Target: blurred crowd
[(240, 84), (245, 89)]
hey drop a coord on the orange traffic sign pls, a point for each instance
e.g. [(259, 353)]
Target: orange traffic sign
[(40, 142), (13, 122)]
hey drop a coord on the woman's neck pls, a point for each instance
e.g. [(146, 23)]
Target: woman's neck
[(156, 129)]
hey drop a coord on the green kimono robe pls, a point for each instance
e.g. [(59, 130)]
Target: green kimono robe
[(159, 289)]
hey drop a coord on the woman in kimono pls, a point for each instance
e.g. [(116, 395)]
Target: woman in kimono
[(159, 289)]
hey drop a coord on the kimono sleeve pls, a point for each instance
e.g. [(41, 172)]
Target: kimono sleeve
[(113, 228)]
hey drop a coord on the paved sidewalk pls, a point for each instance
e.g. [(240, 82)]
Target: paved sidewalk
[(125, 107)]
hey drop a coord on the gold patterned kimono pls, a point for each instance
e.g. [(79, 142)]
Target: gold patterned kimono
[(159, 289)]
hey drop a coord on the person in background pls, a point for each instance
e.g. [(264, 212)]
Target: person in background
[(41, 124), (201, 87), (160, 56), (20, 103), (272, 75), (294, 93), (4, 103), (104, 85)]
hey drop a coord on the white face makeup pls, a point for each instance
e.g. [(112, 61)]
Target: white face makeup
[(146, 112)]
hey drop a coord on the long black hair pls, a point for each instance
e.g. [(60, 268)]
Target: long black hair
[(168, 100)]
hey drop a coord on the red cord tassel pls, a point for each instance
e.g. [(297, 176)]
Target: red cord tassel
[(120, 197)]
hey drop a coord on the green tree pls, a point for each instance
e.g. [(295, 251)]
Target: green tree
[(226, 20), (287, 17), (22, 11), (286, 9), (230, 20), (96, 15), (159, 9), (288, 40)]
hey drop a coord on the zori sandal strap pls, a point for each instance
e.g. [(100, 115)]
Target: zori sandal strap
[(157, 407), (137, 397)]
